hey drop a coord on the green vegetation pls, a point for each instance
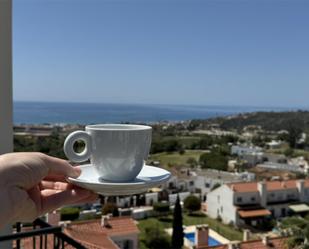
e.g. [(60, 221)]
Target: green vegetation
[(226, 231), (161, 208), (69, 213), (192, 203), (271, 121), (175, 159), (298, 228), (51, 145), (153, 236), (213, 160), (178, 234)]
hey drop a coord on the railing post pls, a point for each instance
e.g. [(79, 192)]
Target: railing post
[(6, 110)]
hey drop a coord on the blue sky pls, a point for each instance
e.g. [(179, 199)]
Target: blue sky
[(252, 53)]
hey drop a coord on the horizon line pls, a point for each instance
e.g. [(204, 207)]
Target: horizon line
[(165, 104)]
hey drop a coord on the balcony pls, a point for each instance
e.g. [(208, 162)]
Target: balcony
[(41, 236)]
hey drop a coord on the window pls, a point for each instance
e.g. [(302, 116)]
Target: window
[(128, 244), (221, 209), (239, 199), (191, 183), (283, 212), (207, 185)]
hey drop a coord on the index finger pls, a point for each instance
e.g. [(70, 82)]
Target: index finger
[(59, 166)]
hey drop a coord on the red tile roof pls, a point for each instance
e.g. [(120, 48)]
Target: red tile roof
[(117, 226), (273, 243), (91, 234), (253, 213), (270, 185)]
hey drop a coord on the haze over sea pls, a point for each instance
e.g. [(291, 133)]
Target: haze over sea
[(88, 113)]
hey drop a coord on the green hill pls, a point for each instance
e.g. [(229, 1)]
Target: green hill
[(272, 121)]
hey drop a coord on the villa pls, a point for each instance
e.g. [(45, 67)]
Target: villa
[(251, 203)]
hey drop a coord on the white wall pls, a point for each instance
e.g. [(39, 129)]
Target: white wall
[(6, 128), (246, 198), (120, 240), (220, 203), (151, 198)]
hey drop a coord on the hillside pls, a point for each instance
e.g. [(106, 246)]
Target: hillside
[(272, 121)]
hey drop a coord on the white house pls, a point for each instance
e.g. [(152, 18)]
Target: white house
[(208, 178), (251, 202), (242, 150)]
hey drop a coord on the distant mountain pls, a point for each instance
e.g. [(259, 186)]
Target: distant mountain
[(272, 121)]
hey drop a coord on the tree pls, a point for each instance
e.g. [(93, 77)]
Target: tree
[(155, 237), (298, 230), (109, 208), (192, 203), (294, 134), (162, 208), (288, 152), (178, 234), (213, 160), (192, 162)]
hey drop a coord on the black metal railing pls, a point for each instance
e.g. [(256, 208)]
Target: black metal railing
[(39, 234)]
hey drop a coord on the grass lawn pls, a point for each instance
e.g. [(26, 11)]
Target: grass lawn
[(296, 152), (226, 231), (176, 159)]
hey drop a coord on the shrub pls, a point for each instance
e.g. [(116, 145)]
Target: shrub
[(192, 203), (161, 207), (69, 213), (155, 237)]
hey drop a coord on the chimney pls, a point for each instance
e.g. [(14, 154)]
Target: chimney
[(246, 235), (65, 224), (233, 245), (265, 240), (104, 221), (233, 187), (300, 184), (201, 235), (263, 192), (53, 218)]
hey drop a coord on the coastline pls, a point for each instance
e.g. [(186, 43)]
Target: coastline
[(39, 113)]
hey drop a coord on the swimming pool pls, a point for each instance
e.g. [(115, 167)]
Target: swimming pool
[(211, 241)]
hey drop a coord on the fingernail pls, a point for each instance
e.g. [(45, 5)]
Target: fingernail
[(77, 171)]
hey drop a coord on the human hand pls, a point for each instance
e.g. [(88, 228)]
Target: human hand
[(32, 184)]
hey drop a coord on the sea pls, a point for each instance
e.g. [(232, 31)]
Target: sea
[(90, 113)]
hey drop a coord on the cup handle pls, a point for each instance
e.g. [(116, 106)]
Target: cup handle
[(68, 146)]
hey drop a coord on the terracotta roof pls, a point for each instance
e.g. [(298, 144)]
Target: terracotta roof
[(91, 234), (273, 243), (117, 226), (270, 185), (253, 213)]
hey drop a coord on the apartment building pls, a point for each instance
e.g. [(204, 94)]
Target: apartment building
[(252, 202)]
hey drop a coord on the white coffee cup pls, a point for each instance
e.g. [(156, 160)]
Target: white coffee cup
[(117, 151)]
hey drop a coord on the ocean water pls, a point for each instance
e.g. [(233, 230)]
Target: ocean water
[(89, 113)]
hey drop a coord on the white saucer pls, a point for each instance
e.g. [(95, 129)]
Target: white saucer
[(149, 177)]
